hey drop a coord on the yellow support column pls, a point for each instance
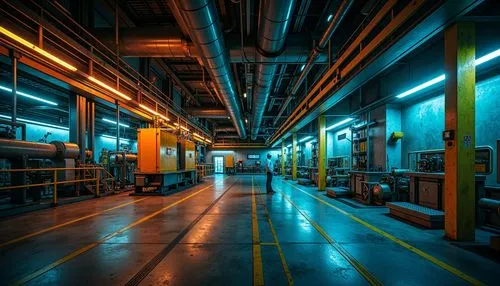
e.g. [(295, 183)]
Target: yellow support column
[(322, 153), (283, 158), (459, 117), (294, 156)]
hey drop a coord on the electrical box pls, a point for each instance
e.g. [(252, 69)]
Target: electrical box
[(157, 150), (187, 155), (229, 161)]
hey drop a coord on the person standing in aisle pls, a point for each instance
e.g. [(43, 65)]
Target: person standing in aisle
[(269, 172)]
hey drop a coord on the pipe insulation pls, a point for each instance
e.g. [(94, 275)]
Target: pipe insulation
[(201, 18), (275, 17)]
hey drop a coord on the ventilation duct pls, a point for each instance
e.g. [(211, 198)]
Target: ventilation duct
[(274, 20), (200, 17)]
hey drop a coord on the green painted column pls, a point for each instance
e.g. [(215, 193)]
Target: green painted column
[(283, 158), (460, 117), (294, 156), (322, 153)]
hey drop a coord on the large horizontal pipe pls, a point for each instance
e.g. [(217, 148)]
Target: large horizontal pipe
[(224, 129), (14, 149), (168, 43), (490, 204), (228, 136), (208, 113), (148, 42)]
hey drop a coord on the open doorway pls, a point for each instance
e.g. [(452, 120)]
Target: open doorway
[(219, 164)]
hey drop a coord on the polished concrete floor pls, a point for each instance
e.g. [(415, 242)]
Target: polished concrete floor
[(227, 232)]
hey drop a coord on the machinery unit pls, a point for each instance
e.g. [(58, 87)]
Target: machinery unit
[(157, 150), (161, 167), (229, 164), (186, 155), (23, 154)]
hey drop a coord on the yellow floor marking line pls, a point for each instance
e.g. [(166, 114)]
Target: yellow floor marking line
[(370, 278), (258, 273), (94, 244), (411, 248), (277, 244), (45, 230)]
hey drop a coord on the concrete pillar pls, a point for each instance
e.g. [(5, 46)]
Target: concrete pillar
[(459, 118), (322, 153), (294, 156), (283, 158)]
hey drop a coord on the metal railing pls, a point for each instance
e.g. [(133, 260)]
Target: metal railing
[(94, 175), (205, 170), (63, 36)]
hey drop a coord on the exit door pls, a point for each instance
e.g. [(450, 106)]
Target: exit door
[(219, 165)]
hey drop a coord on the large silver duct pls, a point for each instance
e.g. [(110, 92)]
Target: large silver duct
[(316, 52), (274, 20), (201, 18)]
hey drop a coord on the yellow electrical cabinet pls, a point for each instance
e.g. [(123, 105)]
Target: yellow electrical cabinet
[(157, 150), (186, 155), (229, 161)]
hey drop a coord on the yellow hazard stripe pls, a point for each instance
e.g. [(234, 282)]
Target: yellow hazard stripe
[(411, 248)]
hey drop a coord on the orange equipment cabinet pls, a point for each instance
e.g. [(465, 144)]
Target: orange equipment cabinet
[(229, 161), (186, 155), (157, 151), (190, 155)]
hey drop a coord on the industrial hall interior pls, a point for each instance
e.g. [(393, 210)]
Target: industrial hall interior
[(250, 142)]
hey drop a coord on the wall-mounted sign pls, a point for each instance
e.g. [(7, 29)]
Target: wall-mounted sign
[(342, 136), (253, 156)]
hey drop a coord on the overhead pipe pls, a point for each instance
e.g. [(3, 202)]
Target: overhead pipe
[(169, 43), (274, 21), (201, 18), (208, 113), (151, 43), (344, 7), (224, 129)]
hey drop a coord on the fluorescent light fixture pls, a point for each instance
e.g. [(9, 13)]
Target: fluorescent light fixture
[(197, 135), (488, 57), (105, 86), (347, 120), (154, 112), (422, 86), (36, 49), (305, 139), (208, 140), (302, 67), (29, 96), (442, 77), (114, 122), (114, 137), (20, 119), (329, 18), (289, 145), (181, 127), (311, 141)]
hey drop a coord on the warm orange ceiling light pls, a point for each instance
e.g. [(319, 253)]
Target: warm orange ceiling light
[(154, 112), (102, 84), (36, 49)]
